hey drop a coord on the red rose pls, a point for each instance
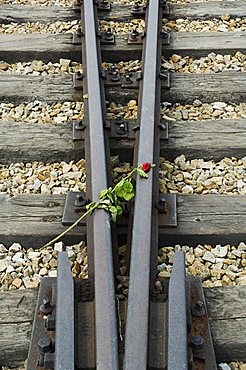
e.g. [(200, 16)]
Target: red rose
[(146, 167)]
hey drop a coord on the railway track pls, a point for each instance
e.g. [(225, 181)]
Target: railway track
[(163, 319)]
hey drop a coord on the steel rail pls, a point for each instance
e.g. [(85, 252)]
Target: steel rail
[(99, 233), (144, 226), (177, 318), (64, 344)]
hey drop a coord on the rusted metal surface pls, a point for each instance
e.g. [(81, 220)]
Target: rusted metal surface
[(177, 318), (99, 228), (200, 339), (64, 345), (39, 330), (144, 234)]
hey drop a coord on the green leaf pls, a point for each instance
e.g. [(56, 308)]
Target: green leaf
[(129, 196), (119, 185), (103, 193), (128, 187), (142, 173), (113, 209), (119, 210)]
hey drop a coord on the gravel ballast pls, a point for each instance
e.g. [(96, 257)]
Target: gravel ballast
[(227, 176)]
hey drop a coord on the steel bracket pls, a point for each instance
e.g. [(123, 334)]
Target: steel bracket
[(199, 337), (165, 38), (163, 126), (165, 8), (42, 347), (75, 204), (138, 10), (103, 5), (106, 37), (78, 80), (78, 130), (131, 80), (167, 208), (77, 37), (118, 129), (111, 77), (136, 37), (165, 77)]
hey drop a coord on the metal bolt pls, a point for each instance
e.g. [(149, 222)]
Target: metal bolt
[(136, 7), (163, 126), (79, 76), (134, 34), (161, 205), (127, 77), (109, 35), (114, 76), (50, 323), (79, 125), (80, 203), (122, 129), (199, 305), (199, 309), (45, 307), (44, 345), (197, 342)]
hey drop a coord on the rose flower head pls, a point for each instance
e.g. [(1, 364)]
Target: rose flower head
[(146, 167)]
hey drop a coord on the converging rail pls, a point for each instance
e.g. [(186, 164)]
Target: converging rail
[(98, 226), (77, 322), (145, 220)]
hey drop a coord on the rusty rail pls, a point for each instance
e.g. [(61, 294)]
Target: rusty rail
[(99, 233), (71, 306), (145, 223)]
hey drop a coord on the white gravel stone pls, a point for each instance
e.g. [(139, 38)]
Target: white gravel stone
[(42, 178), (3, 265), (208, 256), (224, 366), (203, 177), (200, 260), (215, 24), (201, 111), (219, 251), (38, 27), (39, 68), (39, 2), (24, 268)]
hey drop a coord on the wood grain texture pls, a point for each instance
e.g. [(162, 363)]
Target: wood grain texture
[(207, 10), (226, 302), (185, 88), (227, 313), (202, 10), (220, 138), (16, 316), (226, 310), (208, 219), (23, 47), (35, 219)]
